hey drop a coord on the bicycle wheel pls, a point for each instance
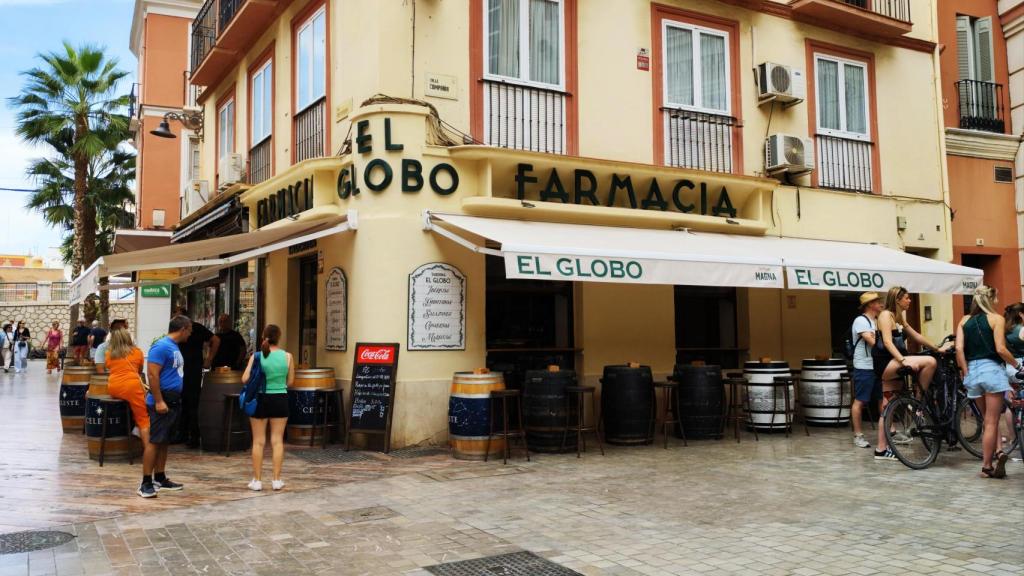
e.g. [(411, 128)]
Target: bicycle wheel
[(969, 428), (909, 417)]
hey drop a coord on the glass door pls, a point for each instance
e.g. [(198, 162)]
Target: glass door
[(307, 311)]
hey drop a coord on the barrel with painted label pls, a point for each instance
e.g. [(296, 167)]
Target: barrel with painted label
[(217, 383), (470, 416), (761, 390), (699, 400), (627, 405), (74, 384), (825, 391), (547, 409), (306, 407), (98, 384), (100, 407)]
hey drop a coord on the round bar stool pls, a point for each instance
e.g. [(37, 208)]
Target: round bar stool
[(507, 432), (668, 417), (579, 393), (333, 397), (738, 406), (230, 407)]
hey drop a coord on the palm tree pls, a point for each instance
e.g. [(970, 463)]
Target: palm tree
[(73, 96)]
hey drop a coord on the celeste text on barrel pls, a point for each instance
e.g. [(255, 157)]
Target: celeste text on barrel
[(378, 174)]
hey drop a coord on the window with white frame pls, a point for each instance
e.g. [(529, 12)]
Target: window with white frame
[(311, 61), (262, 103), (842, 97), (226, 129), (524, 41), (696, 68)]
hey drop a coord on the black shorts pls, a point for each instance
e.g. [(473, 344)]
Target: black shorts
[(163, 426), (272, 406)]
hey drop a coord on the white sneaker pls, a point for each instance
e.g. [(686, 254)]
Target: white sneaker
[(860, 442), (255, 485), (136, 432), (277, 484)]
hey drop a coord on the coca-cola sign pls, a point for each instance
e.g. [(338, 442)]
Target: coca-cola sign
[(375, 354)]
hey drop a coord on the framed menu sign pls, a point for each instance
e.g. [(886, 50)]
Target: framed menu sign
[(437, 308), (337, 311), (373, 391)]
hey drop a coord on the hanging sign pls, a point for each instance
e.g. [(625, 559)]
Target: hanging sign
[(373, 391), (155, 291), (337, 311), (437, 308)]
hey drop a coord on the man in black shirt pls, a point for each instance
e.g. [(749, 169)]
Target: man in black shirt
[(80, 341), (192, 350), (227, 348), (96, 337)]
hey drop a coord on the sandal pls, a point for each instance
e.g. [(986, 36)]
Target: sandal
[(1000, 465), (987, 472)]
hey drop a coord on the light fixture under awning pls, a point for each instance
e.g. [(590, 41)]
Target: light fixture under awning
[(554, 251), (206, 256)]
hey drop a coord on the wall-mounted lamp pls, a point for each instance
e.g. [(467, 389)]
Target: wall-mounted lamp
[(191, 120)]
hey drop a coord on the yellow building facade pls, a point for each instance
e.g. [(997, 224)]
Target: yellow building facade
[(540, 111)]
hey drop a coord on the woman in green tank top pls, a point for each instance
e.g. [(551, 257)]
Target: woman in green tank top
[(279, 371)]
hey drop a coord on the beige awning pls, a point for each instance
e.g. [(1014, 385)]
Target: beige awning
[(205, 256)]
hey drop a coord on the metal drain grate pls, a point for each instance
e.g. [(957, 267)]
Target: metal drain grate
[(514, 564), (331, 455), (19, 542), (418, 452)]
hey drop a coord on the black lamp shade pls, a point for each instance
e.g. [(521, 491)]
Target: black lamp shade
[(163, 131)]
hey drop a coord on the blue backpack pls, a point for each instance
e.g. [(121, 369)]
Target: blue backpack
[(256, 384)]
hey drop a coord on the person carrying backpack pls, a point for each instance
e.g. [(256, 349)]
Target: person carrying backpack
[(866, 384)]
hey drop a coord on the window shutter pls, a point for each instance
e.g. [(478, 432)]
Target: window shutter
[(963, 47), (984, 66)]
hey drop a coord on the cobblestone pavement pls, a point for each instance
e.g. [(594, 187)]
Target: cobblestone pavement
[(781, 506)]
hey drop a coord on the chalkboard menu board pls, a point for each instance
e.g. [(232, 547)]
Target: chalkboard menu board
[(373, 390)]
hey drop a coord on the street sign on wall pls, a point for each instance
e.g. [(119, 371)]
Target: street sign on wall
[(156, 291)]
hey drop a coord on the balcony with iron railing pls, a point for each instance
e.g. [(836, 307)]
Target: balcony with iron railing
[(878, 18), (845, 164), (223, 30), (524, 117), (310, 131), (980, 106), (259, 162), (698, 140)]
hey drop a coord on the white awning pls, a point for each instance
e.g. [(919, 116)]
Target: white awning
[(551, 251), (206, 256)]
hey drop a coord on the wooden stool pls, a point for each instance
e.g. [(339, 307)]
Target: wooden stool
[(507, 433), (669, 391), (334, 397), (105, 402), (580, 394), (738, 406), (228, 417)]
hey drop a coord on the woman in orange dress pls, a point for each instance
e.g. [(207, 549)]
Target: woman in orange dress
[(124, 366)]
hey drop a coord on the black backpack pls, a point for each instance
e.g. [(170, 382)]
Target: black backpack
[(850, 346)]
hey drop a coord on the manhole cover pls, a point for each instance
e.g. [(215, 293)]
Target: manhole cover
[(417, 452), (18, 542), (319, 455), (514, 564)]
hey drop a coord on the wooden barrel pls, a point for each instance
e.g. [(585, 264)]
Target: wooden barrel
[(74, 383), (470, 417), (824, 398), (627, 405), (98, 384), (760, 375), (304, 407), (546, 410), (700, 400), (217, 383), (119, 428)]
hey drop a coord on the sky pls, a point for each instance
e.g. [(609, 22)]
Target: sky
[(28, 27)]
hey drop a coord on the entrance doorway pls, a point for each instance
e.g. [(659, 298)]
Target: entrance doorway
[(307, 310), (706, 329)]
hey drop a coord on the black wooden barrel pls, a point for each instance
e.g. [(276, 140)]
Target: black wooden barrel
[(700, 400), (627, 405), (546, 410), (217, 383)]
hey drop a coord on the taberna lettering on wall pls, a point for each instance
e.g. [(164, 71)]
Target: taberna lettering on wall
[(582, 187), (378, 174)]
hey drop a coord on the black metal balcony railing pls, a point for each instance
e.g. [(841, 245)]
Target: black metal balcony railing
[(259, 162), (204, 32), (228, 9), (844, 164), (524, 117), (980, 105), (895, 9), (309, 131), (698, 140)]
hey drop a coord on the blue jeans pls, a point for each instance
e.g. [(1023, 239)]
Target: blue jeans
[(866, 385)]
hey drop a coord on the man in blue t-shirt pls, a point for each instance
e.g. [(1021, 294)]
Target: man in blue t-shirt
[(867, 386), (165, 367)]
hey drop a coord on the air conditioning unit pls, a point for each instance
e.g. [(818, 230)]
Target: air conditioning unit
[(788, 154), (231, 168), (197, 194), (780, 83)]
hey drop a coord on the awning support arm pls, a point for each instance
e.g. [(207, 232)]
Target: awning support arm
[(428, 224)]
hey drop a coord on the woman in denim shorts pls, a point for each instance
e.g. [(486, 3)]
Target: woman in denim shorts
[(980, 352)]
